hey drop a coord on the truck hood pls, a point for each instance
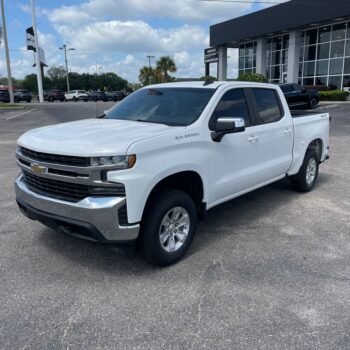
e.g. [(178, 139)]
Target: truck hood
[(91, 137)]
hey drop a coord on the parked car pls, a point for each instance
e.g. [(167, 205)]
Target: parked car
[(115, 96), (161, 158), (22, 95), (298, 96), (4, 96), (53, 95), (77, 95), (97, 96)]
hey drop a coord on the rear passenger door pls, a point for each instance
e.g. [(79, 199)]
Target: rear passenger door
[(271, 133)]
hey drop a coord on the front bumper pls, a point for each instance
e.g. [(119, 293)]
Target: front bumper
[(92, 218)]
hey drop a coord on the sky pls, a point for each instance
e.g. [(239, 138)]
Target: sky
[(117, 35)]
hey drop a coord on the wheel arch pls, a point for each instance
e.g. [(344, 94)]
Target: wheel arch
[(188, 181)]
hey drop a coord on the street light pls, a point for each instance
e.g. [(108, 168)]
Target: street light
[(149, 68), (65, 49)]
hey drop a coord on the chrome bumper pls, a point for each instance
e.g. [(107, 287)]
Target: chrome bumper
[(98, 216)]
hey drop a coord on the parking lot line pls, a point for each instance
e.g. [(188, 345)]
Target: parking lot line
[(20, 114)]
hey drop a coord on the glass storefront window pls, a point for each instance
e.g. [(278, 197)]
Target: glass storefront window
[(346, 81), (336, 66), (339, 31), (335, 82), (277, 43), (277, 58), (309, 69), (310, 53), (247, 57), (324, 35), (275, 72), (323, 51), (347, 66), (347, 49), (321, 81), (337, 49), (311, 37), (309, 81), (322, 67)]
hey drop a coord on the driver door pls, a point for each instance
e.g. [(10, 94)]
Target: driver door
[(233, 162)]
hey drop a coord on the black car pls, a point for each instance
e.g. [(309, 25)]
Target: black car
[(298, 96), (116, 96), (98, 96), (4, 96), (22, 95)]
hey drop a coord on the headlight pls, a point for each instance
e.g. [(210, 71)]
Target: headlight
[(118, 162)]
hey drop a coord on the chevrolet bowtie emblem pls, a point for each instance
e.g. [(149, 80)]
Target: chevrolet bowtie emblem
[(36, 168)]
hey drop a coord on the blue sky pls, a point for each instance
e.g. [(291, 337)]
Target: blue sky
[(116, 35)]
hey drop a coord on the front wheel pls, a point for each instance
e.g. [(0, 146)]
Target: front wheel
[(306, 178), (169, 227)]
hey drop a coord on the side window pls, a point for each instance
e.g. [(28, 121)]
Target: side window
[(287, 88), (267, 106), (233, 104)]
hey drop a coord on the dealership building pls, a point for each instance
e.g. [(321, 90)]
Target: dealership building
[(299, 41)]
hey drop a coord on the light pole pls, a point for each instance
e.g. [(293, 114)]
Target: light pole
[(65, 49), (37, 55), (7, 52), (149, 69)]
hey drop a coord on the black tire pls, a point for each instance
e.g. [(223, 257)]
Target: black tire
[(313, 103), (16, 100), (149, 240), (51, 99), (75, 99), (28, 101), (301, 181)]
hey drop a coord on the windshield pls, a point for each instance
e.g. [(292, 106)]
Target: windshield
[(170, 106)]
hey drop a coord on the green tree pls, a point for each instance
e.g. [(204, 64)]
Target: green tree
[(166, 64), (146, 75), (57, 75)]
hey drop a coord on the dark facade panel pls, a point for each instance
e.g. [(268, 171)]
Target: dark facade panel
[(292, 14)]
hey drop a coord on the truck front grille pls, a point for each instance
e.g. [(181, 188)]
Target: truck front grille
[(55, 158), (56, 189), (68, 191)]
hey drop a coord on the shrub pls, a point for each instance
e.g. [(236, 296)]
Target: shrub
[(254, 77), (334, 95)]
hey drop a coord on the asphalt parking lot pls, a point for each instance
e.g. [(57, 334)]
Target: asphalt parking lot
[(269, 270)]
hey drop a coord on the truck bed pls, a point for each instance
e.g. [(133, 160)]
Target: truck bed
[(304, 113)]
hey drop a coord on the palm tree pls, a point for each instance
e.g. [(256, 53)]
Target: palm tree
[(145, 75), (166, 64)]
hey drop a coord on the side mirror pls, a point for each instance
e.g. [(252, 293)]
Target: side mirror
[(227, 126)]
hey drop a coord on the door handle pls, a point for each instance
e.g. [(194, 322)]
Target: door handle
[(253, 138), (287, 131)]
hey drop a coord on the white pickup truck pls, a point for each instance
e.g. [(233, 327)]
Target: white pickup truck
[(158, 160)]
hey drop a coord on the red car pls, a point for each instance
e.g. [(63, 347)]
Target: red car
[(54, 95)]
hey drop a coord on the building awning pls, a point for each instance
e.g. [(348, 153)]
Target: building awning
[(286, 16)]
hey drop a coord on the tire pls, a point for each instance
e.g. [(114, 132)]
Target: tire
[(75, 99), (51, 99), (306, 178), (313, 103), (28, 101), (62, 99), (158, 216), (16, 100)]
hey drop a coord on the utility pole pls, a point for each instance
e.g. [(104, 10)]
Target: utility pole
[(9, 77), (37, 55), (149, 69), (65, 49)]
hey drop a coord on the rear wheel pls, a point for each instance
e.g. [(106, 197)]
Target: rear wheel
[(16, 100), (75, 99), (51, 99), (169, 227), (306, 178)]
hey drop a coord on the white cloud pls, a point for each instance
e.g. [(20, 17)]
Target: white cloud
[(194, 10), (132, 37)]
